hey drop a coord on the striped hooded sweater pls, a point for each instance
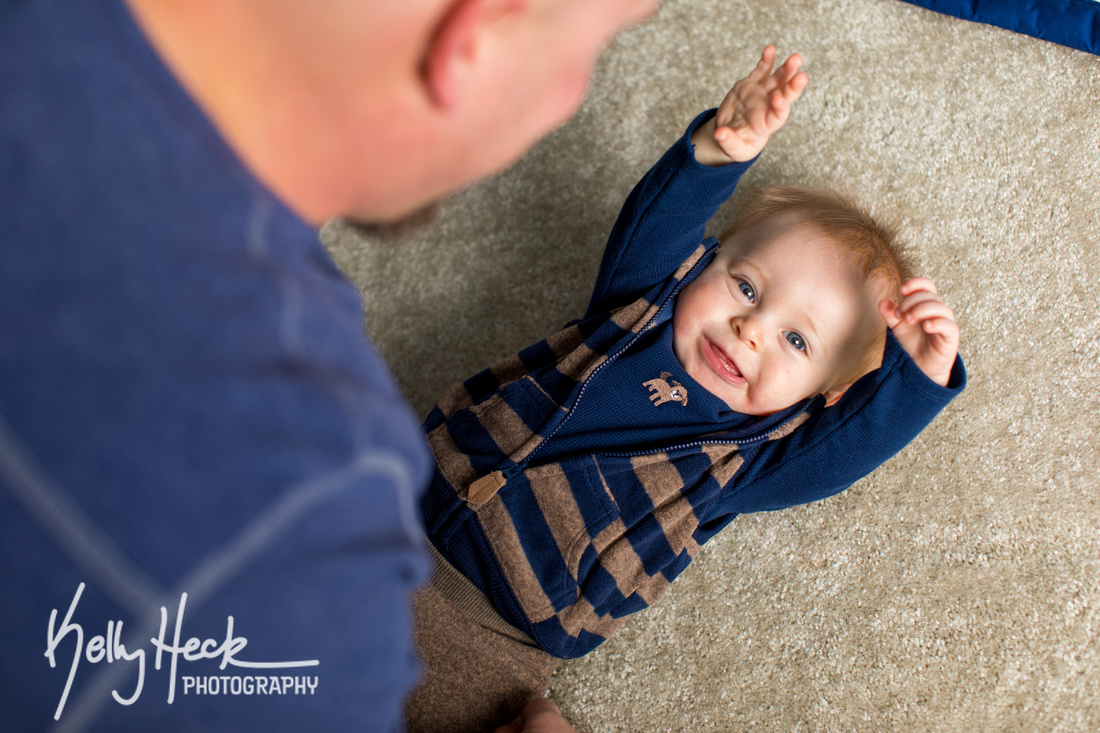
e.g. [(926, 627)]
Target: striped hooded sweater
[(568, 546)]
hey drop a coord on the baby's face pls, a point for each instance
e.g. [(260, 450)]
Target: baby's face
[(778, 316)]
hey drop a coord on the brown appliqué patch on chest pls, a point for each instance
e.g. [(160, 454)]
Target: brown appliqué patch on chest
[(664, 389)]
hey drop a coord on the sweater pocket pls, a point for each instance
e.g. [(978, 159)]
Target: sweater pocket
[(482, 438), (539, 526), (514, 416)]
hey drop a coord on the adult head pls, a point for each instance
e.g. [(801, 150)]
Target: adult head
[(370, 109), (222, 410)]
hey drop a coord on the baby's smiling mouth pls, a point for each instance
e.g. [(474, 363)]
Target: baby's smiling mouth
[(721, 363)]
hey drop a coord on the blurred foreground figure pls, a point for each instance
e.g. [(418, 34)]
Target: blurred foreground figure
[(207, 476)]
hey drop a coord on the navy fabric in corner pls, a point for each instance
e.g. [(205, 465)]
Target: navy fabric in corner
[(1073, 23)]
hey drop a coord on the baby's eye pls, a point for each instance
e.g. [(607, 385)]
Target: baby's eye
[(795, 339), (747, 290)]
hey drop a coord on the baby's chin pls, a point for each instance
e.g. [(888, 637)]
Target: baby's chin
[(748, 407), (738, 403), (755, 411)]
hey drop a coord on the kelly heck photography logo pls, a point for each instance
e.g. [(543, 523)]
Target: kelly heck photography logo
[(109, 648)]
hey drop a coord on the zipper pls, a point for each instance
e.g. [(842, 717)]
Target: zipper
[(488, 485), (757, 438)]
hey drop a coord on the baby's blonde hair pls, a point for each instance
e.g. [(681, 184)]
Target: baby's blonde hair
[(874, 246)]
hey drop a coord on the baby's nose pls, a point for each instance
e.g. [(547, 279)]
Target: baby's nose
[(748, 330)]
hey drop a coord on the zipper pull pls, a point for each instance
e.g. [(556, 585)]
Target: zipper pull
[(486, 487)]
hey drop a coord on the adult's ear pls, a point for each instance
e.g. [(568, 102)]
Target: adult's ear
[(457, 45)]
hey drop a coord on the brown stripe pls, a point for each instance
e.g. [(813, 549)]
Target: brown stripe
[(646, 319), (453, 400), (663, 485), (690, 262), (678, 521), (453, 463), (784, 430), (581, 615), (658, 476), (506, 428), (622, 562), (631, 317), (654, 588), (559, 507), (509, 552), (609, 534), (509, 370), (580, 363), (725, 461), (564, 341)]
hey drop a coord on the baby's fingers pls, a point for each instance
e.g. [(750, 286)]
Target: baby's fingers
[(923, 306), (792, 90), (764, 65), (779, 106), (935, 318), (786, 73), (943, 336), (947, 327), (914, 284)]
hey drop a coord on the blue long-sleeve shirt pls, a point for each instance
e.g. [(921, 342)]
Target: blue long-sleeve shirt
[(190, 419)]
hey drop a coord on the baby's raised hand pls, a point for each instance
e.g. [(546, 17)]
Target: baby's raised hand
[(925, 327), (754, 108)]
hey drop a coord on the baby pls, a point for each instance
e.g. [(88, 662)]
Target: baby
[(577, 479)]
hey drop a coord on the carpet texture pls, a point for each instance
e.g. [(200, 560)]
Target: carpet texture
[(958, 587)]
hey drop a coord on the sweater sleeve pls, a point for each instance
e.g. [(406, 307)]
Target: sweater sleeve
[(837, 446), (663, 220)]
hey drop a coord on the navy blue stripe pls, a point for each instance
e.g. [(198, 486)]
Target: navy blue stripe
[(529, 403), (632, 604), (601, 590), (434, 420), (672, 571), (649, 541), (558, 386), (589, 326), (482, 385), (608, 338), (711, 527), (594, 505), (564, 645), (472, 439), (690, 468), (539, 545), (630, 495), (537, 355)]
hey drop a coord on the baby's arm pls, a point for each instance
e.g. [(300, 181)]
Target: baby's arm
[(754, 108), (925, 327)]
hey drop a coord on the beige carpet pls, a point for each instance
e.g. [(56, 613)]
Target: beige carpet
[(957, 588)]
